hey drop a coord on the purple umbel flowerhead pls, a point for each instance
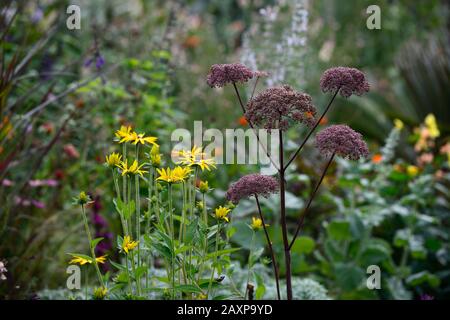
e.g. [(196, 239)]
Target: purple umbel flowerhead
[(426, 297), (250, 185), (99, 62), (223, 74), (275, 107), (342, 141), (347, 80)]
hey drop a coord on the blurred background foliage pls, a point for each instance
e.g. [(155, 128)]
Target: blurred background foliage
[(144, 63)]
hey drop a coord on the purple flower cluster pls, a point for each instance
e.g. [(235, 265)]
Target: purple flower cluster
[(223, 74), (347, 80), (275, 107), (342, 141), (250, 185)]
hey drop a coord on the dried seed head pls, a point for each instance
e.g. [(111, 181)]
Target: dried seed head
[(223, 74)]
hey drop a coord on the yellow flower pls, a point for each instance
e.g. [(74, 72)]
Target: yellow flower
[(412, 170), (82, 261), (82, 198), (202, 296), (257, 224), (125, 134), (79, 260), (101, 259), (221, 213), (113, 160), (128, 244), (178, 174), (398, 124), (195, 157), (135, 168), (430, 122), (100, 293), (203, 186), (142, 139), (155, 156)]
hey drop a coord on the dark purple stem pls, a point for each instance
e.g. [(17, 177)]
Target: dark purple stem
[(312, 130), (251, 126), (305, 212), (287, 252), (272, 254)]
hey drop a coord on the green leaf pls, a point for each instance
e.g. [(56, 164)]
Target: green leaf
[(81, 256), (222, 252), (423, 277), (95, 242), (188, 288), (348, 276), (303, 244), (339, 230), (139, 272), (118, 266), (261, 288)]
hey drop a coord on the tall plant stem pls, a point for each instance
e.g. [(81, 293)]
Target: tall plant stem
[(88, 233), (116, 185), (312, 130), (272, 253), (147, 222), (253, 128), (172, 232), (219, 225), (249, 263), (287, 252), (138, 210), (311, 198)]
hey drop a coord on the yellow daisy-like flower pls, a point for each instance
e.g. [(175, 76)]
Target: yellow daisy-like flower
[(128, 244), (124, 134), (135, 168), (100, 293), (142, 139), (398, 124), (195, 157), (178, 174), (82, 261), (257, 224), (221, 213), (430, 122), (155, 156), (203, 186), (412, 170), (113, 160)]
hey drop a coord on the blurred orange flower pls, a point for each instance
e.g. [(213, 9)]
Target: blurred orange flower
[(323, 121), (192, 42), (377, 158), (243, 121)]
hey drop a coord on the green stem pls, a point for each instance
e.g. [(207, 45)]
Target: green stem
[(88, 232), (172, 233), (215, 257), (252, 244)]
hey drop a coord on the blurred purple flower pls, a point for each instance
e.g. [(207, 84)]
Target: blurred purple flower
[(101, 228), (426, 297), (99, 62), (342, 141), (347, 80), (276, 107), (7, 183), (250, 185), (223, 74), (37, 15), (43, 183)]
